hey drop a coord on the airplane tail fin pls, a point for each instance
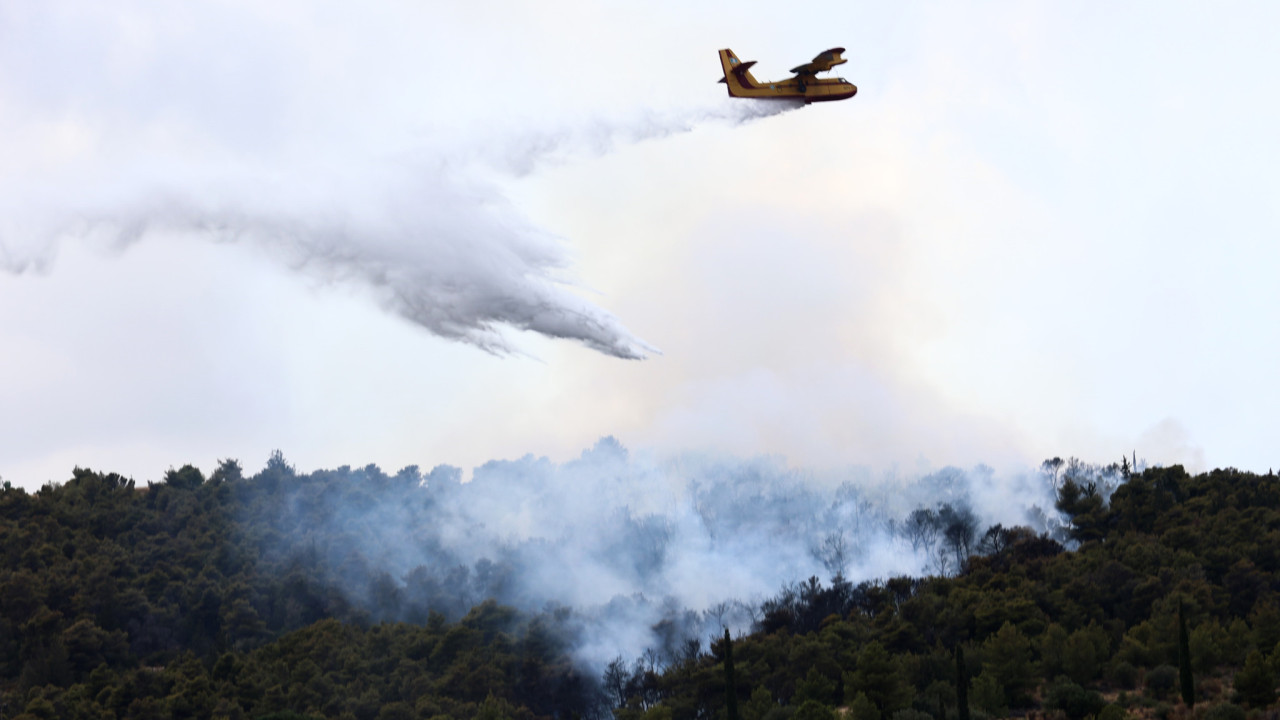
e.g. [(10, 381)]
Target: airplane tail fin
[(737, 74)]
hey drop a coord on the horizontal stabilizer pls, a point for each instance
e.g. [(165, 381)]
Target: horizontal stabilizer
[(739, 69)]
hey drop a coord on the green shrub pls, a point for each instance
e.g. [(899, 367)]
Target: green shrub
[(1225, 711), (1161, 681), (1070, 698), (1113, 712), (1123, 675)]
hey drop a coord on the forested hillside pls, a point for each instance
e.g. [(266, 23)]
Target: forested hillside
[(172, 601), (1029, 628), (205, 597)]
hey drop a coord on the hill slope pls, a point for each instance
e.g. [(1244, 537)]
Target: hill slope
[(179, 600)]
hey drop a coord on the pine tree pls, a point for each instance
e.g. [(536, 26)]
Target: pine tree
[(880, 677), (861, 708), (1184, 660), (962, 685), (1255, 682), (1008, 661), (730, 688)]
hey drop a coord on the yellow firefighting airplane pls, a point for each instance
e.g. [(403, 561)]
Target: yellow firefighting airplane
[(804, 86)]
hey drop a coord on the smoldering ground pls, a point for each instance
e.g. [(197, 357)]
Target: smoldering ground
[(643, 554)]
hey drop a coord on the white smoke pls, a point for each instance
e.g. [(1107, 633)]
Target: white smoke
[(647, 552), (139, 126)]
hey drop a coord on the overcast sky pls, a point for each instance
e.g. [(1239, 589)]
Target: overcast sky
[(442, 232)]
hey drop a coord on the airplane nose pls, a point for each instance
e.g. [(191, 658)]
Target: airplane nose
[(855, 90)]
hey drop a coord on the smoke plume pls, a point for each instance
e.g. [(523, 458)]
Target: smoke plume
[(647, 553)]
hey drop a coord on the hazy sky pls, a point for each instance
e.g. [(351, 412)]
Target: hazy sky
[(1039, 229)]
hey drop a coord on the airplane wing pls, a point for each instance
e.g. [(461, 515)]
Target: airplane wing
[(824, 61)]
